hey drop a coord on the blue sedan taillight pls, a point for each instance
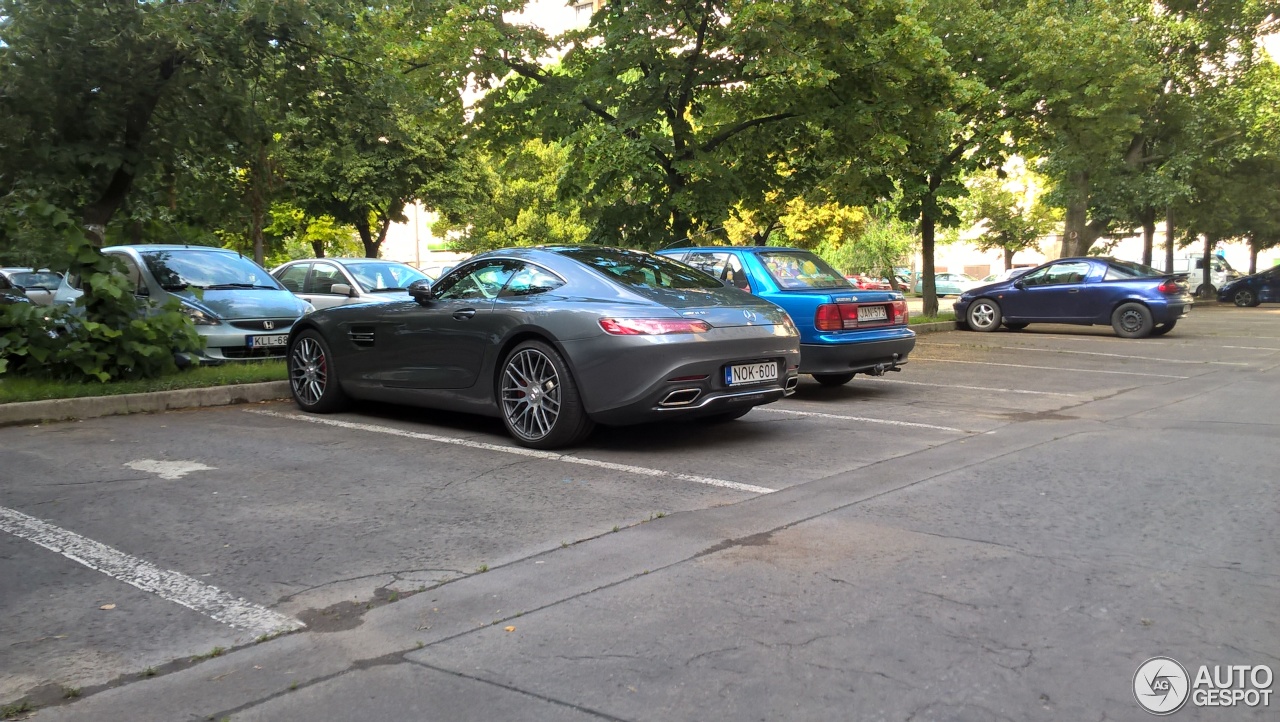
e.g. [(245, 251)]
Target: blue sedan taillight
[(845, 316)]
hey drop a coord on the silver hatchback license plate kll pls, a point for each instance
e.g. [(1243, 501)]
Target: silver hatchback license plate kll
[(274, 341)]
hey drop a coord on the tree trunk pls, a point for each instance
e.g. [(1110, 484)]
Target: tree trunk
[(372, 245), (1168, 239), (926, 253), (1253, 257), (317, 248), (1205, 282), (1148, 236), (1077, 214), (97, 214), (1008, 258)]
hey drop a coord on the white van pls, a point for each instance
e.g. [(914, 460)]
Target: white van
[(1220, 272)]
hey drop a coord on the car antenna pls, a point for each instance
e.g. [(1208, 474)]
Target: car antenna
[(686, 239)]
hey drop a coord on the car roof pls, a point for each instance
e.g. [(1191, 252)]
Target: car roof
[(746, 249), (149, 247)]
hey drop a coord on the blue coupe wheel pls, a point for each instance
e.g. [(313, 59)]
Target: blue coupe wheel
[(1132, 320), (1243, 298), (984, 315)]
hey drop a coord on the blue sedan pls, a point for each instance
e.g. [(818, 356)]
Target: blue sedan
[(1262, 287), (843, 331), (1134, 299)]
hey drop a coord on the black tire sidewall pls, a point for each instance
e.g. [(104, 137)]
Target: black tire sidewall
[(1143, 331), (572, 423), (332, 398), (996, 320)]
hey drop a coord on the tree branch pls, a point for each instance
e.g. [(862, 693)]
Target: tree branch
[(724, 135)]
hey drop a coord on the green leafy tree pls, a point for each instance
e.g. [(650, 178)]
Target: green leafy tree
[(1009, 208), (883, 243)]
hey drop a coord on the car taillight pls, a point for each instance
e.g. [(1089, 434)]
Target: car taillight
[(1170, 286), (652, 326), (900, 313), (827, 318), (844, 316)]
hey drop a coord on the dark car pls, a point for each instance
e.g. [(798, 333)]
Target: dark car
[(553, 340), (843, 331), (1261, 287), (1134, 299)]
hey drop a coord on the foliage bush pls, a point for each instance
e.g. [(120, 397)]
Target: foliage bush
[(109, 335)]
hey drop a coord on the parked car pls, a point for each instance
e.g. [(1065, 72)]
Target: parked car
[(325, 282), (949, 284), (9, 294), (1192, 267), (1004, 275), (39, 286), (240, 310), (1261, 287), (867, 283), (553, 340), (1136, 300), (843, 331)]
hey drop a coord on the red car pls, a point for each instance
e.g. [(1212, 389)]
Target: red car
[(866, 283)]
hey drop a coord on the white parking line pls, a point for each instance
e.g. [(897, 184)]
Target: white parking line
[(519, 451), (177, 588), (883, 380), (889, 422), (1048, 368), (1099, 353)]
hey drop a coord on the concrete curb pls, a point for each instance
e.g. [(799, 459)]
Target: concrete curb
[(92, 407), (89, 407)]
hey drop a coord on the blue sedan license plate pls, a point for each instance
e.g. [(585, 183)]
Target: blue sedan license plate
[(266, 341), (741, 374)]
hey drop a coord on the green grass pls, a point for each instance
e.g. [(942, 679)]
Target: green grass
[(942, 316), (13, 389)]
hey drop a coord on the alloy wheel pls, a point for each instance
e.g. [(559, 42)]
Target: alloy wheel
[(308, 371), (531, 394), (982, 316), (1244, 298)]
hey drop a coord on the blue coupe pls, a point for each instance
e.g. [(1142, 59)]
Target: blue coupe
[(843, 331), (1136, 300), (1261, 287)]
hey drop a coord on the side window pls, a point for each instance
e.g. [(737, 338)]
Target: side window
[(477, 280), (529, 280), (1064, 273), (323, 276), (134, 275), (295, 276), (711, 264), (735, 274)]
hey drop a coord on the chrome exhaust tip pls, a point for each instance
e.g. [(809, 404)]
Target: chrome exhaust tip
[(680, 397), (792, 383)]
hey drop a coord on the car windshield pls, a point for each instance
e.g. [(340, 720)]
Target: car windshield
[(384, 277), (37, 279), (801, 269), (1129, 269), (178, 269), (641, 270)]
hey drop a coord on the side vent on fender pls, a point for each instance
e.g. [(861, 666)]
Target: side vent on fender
[(361, 336)]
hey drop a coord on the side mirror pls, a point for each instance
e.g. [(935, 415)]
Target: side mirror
[(142, 291), (421, 291), (343, 289), (1020, 285)]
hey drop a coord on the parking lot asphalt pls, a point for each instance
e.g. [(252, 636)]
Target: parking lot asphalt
[(1004, 530)]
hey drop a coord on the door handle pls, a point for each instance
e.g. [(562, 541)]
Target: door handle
[(1074, 290), (463, 314)]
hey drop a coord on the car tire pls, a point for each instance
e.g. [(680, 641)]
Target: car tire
[(313, 378), (833, 379), (1132, 320), (1016, 326), (1244, 298), (983, 315), (1161, 329), (538, 398), (1207, 290)]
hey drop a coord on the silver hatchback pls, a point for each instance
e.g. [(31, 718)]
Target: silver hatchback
[(329, 282), (237, 307)]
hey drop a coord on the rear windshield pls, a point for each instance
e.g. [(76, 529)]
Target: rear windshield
[(38, 279), (175, 270), (640, 270), (800, 270), (1117, 270)]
